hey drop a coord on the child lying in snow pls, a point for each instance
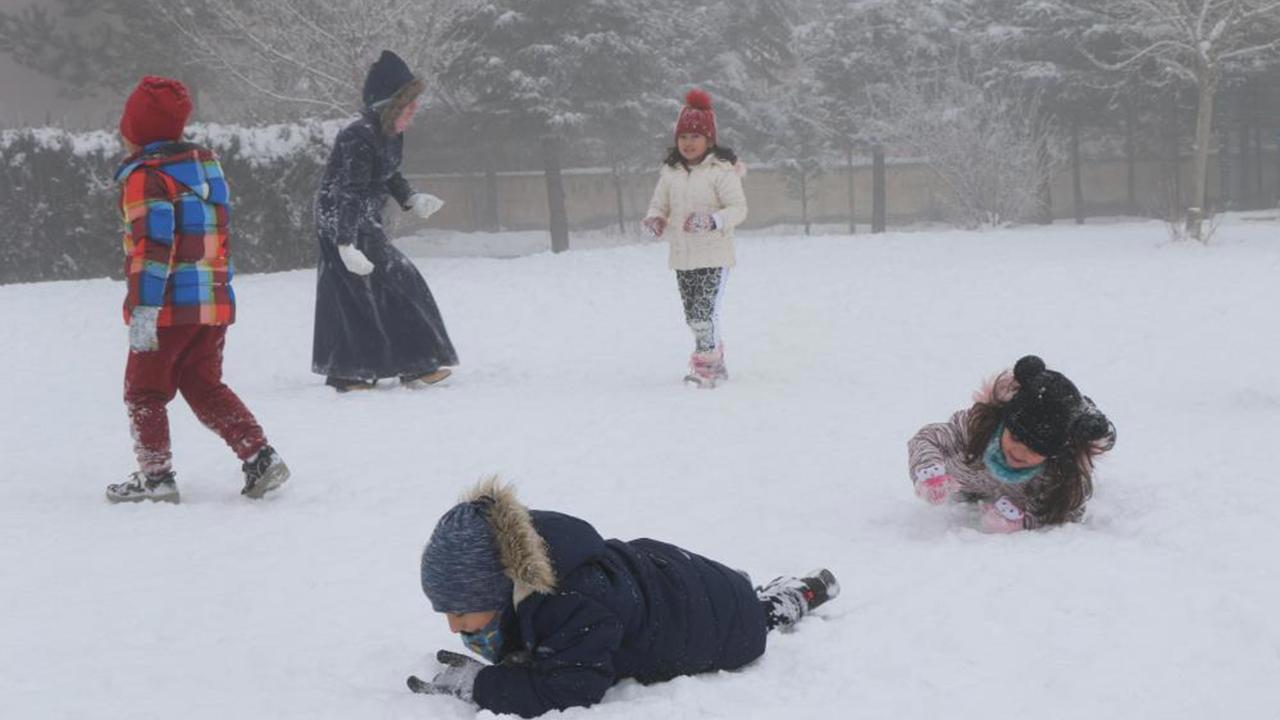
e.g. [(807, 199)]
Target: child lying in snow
[(563, 614), (1024, 451)]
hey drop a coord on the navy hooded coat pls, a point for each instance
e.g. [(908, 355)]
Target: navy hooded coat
[(385, 324), (610, 610)]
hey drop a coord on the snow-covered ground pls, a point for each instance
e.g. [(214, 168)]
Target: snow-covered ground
[(1162, 605)]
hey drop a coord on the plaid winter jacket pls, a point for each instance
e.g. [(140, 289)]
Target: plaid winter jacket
[(176, 210)]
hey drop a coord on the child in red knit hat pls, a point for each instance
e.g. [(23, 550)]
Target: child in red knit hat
[(697, 204), (175, 205)]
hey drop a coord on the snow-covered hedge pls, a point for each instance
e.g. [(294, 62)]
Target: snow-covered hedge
[(59, 212)]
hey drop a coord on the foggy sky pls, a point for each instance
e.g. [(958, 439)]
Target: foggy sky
[(29, 98)]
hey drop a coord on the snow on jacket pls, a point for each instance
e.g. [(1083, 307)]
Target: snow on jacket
[(711, 186), (943, 445), (176, 209), (588, 612), (363, 170)]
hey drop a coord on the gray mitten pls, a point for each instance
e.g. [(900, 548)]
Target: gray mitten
[(458, 678), (142, 329)]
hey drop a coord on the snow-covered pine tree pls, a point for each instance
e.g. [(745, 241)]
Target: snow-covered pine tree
[(93, 46), (1198, 41), (553, 69), (1030, 49), (292, 58), (853, 52), (749, 54)]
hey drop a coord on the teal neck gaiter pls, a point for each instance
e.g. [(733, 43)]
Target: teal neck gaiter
[(998, 465)]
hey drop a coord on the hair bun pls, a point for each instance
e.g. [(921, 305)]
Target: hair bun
[(1027, 369)]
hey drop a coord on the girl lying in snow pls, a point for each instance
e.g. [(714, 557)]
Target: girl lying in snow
[(562, 614), (1024, 451)]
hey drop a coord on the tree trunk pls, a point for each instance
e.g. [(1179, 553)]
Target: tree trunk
[(1226, 165), (1173, 158), (1044, 193), (878, 190), (1256, 124), (617, 196), (1131, 157), (804, 200), (1197, 214), (1077, 186), (853, 222), (1245, 183), (557, 213), (1044, 202), (489, 217)]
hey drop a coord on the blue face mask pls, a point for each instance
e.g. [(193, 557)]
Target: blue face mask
[(998, 465), (487, 641)]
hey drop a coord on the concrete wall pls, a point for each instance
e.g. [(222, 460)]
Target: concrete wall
[(912, 193)]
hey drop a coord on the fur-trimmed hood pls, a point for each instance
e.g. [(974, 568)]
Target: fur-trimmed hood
[(388, 88), (997, 390), (522, 550), (389, 110), (536, 547)]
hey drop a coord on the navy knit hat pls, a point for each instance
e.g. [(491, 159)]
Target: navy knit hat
[(1048, 414), (461, 569), (386, 77)]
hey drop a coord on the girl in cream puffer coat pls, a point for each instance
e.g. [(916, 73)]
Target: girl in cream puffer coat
[(696, 205)]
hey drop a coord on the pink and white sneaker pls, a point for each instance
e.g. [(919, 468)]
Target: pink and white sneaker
[(706, 369)]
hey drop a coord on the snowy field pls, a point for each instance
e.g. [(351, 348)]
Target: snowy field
[(1162, 605)]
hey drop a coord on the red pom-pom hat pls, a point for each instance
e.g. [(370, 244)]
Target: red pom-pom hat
[(697, 116), (157, 109)]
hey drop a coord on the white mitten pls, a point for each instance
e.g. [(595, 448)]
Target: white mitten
[(355, 260), (425, 204)]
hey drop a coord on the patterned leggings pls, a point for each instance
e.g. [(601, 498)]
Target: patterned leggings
[(701, 291)]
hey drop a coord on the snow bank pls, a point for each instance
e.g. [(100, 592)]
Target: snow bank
[(260, 144), (1161, 605)]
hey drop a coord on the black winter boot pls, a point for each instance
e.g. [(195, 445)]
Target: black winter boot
[(263, 473), (787, 599), (140, 486)]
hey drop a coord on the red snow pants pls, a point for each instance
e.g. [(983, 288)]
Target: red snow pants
[(189, 361)]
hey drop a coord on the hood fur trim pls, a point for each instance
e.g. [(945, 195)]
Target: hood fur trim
[(391, 109), (522, 550)]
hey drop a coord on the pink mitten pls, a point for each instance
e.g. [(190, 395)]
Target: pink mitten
[(934, 485), (937, 490), (699, 222), (1002, 516), (654, 226)]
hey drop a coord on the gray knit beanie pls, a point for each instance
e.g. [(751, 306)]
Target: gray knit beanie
[(461, 569)]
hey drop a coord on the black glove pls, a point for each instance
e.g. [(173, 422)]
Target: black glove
[(458, 678)]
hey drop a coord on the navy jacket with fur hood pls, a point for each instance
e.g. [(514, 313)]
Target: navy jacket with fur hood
[(588, 612)]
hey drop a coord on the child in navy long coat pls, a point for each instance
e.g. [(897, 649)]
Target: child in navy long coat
[(375, 316), (562, 614)]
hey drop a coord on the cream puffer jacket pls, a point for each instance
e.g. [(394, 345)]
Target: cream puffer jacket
[(712, 186)]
